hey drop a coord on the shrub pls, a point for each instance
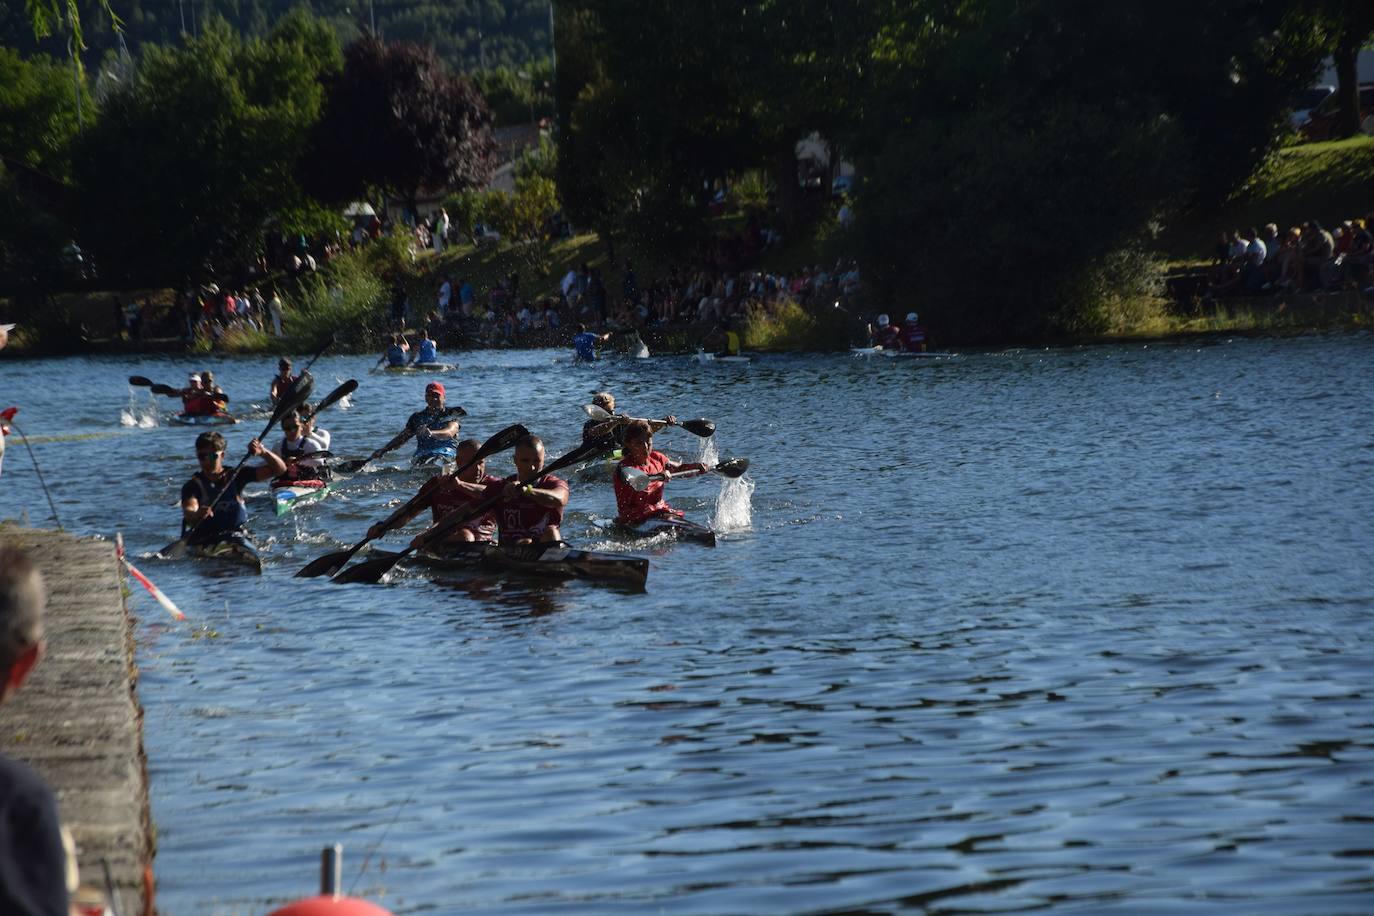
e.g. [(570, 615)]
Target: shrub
[(345, 299), (789, 326)]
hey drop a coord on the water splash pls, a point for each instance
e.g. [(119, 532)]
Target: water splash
[(734, 505), (707, 453), (346, 401), (638, 348), (142, 416)]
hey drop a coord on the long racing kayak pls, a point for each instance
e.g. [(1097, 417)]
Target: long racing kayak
[(900, 354), (284, 499), (416, 367), (679, 528), (203, 419), (600, 468), (237, 548), (558, 560)]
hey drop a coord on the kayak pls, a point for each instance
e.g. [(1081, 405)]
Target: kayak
[(595, 470), (556, 559), (284, 499), (203, 419), (679, 528), (437, 460), (900, 354), (721, 358), (418, 367), (237, 548)]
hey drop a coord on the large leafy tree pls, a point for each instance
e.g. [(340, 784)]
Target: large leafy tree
[(1011, 147), (188, 162), (398, 119), (38, 120)]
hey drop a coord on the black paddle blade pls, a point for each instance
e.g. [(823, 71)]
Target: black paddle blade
[(140, 381), (703, 428), (587, 451), (167, 390), (326, 565), (735, 467), (351, 465), (369, 571), (338, 394), (503, 440)]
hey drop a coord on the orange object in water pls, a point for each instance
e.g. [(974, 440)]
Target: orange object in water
[(328, 905)]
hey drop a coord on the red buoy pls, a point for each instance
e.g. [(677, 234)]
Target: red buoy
[(325, 905)]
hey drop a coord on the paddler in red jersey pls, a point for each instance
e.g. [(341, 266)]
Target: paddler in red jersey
[(443, 496), (913, 335), (635, 506), (885, 334), (199, 401), (530, 508)]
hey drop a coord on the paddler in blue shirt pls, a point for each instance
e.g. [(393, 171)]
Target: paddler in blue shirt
[(425, 351), (435, 429), (585, 343), (395, 355)]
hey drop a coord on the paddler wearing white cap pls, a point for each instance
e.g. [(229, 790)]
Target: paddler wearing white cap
[(913, 335), (885, 334)]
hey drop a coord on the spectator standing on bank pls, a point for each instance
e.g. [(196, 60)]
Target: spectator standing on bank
[(33, 861)]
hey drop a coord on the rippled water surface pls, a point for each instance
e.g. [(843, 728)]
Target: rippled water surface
[(1082, 631)]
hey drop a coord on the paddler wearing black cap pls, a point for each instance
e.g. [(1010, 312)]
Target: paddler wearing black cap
[(435, 429)]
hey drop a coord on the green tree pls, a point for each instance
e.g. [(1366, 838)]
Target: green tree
[(190, 161), (397, 119)]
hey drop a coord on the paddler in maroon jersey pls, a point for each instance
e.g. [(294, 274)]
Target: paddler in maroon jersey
[(530, 509)]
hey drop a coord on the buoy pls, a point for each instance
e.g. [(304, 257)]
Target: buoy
[(330, 902)]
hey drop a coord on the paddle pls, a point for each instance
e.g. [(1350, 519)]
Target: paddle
[(293, 398), (331, 563), (639, 480), (700, 427), (165, 390), (355, 464), (371, 571), (334, 397)]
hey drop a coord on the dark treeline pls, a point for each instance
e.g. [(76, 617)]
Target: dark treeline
[(469, 35), (1012, 155)]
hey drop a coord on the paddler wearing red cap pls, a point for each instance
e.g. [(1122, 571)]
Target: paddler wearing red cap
[(435, 429)]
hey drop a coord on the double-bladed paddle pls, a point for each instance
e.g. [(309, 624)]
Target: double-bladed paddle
[(144, 382), (331, 563), (639, 480), (371, 571), (700, 427), (356, 464), (293, 398), (334, 397)]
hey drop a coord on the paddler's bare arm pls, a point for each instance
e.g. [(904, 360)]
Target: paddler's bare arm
[(273, 466), (448, 431), (552, 499)]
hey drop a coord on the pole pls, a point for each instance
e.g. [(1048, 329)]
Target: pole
[(372, 17)]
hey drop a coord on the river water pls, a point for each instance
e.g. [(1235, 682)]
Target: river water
[(1072, 630)]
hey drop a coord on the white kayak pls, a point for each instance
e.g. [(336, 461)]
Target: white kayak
[(900, 354), (430, 368), (706, 358)]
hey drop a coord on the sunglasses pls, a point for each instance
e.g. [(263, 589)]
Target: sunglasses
[(208, 456)]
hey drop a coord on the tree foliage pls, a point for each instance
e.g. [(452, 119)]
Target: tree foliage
[(188, 163), (397, 119)]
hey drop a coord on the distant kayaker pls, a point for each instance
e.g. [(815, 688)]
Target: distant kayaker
[(435, 429), (298, 444), (426, 351), (530, 509), (443, 496), (722, 340), (229, 515), (198, 401), (585, 344), (213, 391), (913, 335), (885, 334), (635, 506), (395, 354), (282, 380)]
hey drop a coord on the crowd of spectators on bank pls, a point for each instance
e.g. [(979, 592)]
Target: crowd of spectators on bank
[(1307, 258), (681, 297)]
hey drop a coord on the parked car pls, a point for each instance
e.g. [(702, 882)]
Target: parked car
[(1306, 101), (482, 234), (1321, 120)]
